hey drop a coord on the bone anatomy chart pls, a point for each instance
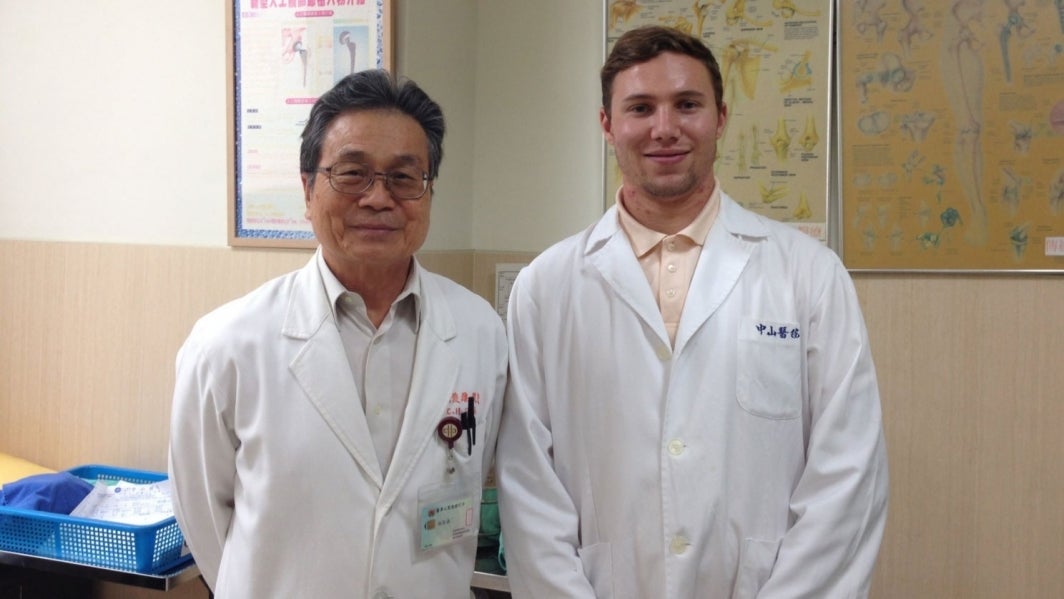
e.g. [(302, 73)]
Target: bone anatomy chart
[(774, 56), (952, 132)]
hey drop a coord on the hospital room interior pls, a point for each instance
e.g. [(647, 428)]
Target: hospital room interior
[(116, 235)]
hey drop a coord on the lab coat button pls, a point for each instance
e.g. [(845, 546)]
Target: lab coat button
[(679, 545), (662, 352), (676, 447), (382, 594)]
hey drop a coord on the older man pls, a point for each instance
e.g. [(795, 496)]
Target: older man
[(332, 428)]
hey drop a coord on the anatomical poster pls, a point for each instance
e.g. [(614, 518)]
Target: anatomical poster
[(952, 134), (286, 53), (776, 62)]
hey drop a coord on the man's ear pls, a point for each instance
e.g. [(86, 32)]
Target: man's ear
[(308, 186), (607, 126), (722, 119)]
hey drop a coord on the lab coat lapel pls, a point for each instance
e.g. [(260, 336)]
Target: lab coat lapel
[(609, 251), (434, 378), (725, 254), (320, 367)]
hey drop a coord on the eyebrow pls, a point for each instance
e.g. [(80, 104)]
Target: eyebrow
[(681, 95), (360, 156)]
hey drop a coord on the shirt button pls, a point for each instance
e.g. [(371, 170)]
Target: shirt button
[(671, 293), (679, 545), (671, 268), (676, 447), (670, 245)]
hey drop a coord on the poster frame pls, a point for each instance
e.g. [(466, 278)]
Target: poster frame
[(241, 232)]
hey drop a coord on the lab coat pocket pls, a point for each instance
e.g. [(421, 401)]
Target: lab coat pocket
[(769, 365), (756, 560), (598, 568)]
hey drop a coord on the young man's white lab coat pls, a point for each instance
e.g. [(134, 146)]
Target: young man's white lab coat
[(745, 461), (277, 486)]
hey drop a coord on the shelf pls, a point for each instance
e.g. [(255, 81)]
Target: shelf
[(162, 582), (490, 582), (166, 581)]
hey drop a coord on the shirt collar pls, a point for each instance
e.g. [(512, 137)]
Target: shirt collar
[(644, 239), (335, 290)]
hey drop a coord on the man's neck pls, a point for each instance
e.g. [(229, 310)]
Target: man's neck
[(377, 285), (668, 217)]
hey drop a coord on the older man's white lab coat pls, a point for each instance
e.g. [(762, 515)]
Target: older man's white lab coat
[(277, 486), (746, 461)]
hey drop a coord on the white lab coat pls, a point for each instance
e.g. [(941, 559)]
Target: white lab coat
[(277, 486), (734, 465)]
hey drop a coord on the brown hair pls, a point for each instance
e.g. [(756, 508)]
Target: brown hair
[(646, 43)]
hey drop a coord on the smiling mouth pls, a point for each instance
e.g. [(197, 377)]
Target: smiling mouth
[(371, 229), (666, 157), (372, 225)]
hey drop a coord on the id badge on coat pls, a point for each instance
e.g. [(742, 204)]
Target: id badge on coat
[(447, 513)]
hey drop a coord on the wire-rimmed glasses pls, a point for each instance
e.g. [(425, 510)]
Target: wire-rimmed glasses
[(404, 183)]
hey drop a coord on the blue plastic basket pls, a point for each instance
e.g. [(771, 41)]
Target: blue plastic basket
[(146, 549)]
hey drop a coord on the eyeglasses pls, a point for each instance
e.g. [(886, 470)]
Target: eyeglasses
[(406, 183)]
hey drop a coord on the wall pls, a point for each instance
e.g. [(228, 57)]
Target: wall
[(970, 376), (112, 242), (131, 102), (538, 169), (113, 119)]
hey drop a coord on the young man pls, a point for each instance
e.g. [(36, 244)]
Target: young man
[(693, 409), (332, 428)]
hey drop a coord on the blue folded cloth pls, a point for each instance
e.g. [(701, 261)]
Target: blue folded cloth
[(58, 493)]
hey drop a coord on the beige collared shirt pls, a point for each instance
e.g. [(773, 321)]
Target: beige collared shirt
[(669, 260), (381, 358)]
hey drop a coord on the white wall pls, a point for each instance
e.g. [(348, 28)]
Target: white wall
[(113, 119), (538, 168), (436, 46)]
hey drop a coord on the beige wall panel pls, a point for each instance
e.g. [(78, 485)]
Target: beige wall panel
[(456, 265), (90, 334), (972, 384)]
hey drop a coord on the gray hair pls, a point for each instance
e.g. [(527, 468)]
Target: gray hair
[(372, 90)]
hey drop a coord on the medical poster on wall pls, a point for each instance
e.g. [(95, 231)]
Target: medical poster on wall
[(952, 134), (286, 53), (776, 62)]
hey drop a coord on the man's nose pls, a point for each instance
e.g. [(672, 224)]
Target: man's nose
[(378, 196), (666, 124)]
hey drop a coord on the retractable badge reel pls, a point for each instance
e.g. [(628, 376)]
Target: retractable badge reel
[(450, 430)]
